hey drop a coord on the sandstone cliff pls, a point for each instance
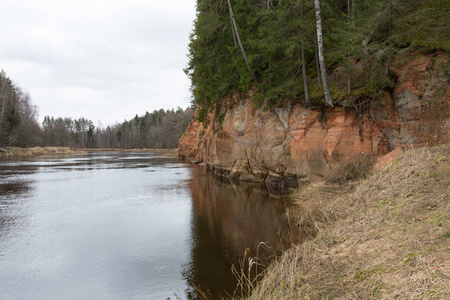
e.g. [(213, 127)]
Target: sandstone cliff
[(283, 146)]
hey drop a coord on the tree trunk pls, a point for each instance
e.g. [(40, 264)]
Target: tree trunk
[(317, 65), (326, 88), (305, 79), (234, 27), (4, 96), (349, 83)]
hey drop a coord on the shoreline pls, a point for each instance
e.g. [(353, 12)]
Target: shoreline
[(35, 151), (165, 152)]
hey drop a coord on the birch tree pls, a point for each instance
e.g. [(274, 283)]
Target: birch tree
[(326, 88)]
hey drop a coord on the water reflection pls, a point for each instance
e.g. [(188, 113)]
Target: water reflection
[(228, 218), (15, 189), (125, 226)]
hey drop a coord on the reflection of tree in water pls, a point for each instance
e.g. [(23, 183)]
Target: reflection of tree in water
[(228, 218), (7, 223), (12, 191), (9, 193)]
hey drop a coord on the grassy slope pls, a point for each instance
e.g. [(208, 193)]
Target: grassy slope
[(385, 237)]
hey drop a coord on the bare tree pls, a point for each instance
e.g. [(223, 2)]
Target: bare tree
[(18, 125), (27, 132)]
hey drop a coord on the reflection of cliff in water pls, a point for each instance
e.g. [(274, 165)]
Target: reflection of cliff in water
[(228, 218)]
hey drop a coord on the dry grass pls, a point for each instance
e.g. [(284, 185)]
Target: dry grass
[(16, 151), (163, 152), (248, 273), (355, 167), (386, 237)]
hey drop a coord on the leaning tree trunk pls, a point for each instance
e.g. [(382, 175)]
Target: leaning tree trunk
[(326, 88), (236, 32)]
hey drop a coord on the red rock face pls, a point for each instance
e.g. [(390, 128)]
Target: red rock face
[(285, 145)]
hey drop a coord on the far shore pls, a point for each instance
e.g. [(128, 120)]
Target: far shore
[(34, 151), (164, 152)]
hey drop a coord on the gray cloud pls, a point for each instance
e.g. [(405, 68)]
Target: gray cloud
[(104, 60)]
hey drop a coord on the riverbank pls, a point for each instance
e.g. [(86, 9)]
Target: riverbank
[(17, 151), (387, 236), (163, 152)]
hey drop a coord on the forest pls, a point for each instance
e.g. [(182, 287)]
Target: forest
[(19, 126), (273, 47)]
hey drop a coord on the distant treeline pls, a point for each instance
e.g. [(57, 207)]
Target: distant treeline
[(19, 126), (159, 129)]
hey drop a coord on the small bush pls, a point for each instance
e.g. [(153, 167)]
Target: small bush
[(355, 167)]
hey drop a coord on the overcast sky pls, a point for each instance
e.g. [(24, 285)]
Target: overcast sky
[(103, 60)]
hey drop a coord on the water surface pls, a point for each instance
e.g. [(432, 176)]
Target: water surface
[(125, 226)]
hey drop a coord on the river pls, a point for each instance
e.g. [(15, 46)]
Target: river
[(110, 225)]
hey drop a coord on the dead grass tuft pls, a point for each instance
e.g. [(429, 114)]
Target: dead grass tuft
[(356, 167), (248, 273)]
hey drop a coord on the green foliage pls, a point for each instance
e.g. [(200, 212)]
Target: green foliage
[(13, 119), (365, 274), (422, 23), (159, 129), (357, 50), (201, 114)]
